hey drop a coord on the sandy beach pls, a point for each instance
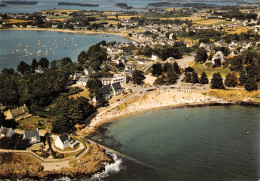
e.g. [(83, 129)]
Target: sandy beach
[(150, 101), (67, 31)]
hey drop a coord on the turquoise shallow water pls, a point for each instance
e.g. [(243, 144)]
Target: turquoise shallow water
[(53, 45), (210, 145)]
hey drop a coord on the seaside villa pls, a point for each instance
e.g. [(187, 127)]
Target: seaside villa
[(64, 141), (33, 136), (6, 132), (18, 113)]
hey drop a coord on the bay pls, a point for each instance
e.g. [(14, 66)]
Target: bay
[(24, 46), (212, 144)]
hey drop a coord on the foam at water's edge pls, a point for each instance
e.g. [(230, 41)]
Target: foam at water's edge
[(110, 168)]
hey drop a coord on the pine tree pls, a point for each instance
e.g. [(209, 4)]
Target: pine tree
[(61, 125), (23, 67), (161, 80), (243, 77), (217, 81), (194, 78), (251, 84), (138, 77), (203, 78), (34, 64), (187, 78), (171, 76), (231, 80), (201, 55), (176, 68)]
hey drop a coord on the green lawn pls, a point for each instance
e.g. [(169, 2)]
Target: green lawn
[(210, 71), (31, 122)]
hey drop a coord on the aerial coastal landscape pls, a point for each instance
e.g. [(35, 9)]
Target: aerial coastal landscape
[(130, 90)]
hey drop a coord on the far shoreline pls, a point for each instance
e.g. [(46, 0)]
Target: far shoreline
[(91, 129), (67, 31)]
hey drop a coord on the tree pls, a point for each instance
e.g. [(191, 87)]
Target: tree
[(23, 67), (82, 57), (34, 64), (171, 76), (157, 69), (217, 81), (251, 84), (44, 62), (201, 55), (231, 80), (242, 77), (187, 78), (161, 80), (94, 85), (138, 77), (194, 78), (61, 124), (7, 71), (176, 68), (65, 61), (203, 78)]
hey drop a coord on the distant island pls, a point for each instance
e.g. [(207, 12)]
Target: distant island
[(77, 4), (123, 5), (159, 4), (21, 2), (2, 5)]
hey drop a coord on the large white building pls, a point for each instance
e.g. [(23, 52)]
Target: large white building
[(116, 78)]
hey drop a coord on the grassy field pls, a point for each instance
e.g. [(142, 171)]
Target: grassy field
[(84, 93), (15, 21), (210, 21), (121, 17), (238, 30), (236, 94), (31, 122), (184, 18), (210, 71)]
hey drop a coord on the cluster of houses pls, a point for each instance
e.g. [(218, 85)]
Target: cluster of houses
[(62, 142)]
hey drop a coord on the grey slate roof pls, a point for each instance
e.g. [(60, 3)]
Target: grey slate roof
[(64, 138), (83, 79), (106, 89), (3, 130), (19, 111), (32, 133), (116, 86)]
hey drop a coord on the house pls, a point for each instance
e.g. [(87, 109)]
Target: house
[(88, 71), (116, 78), (76, 76), (39, 70), (8, 132), (155, 58), (64, 141), (142, 61), (111, 90), (32, 135), (18, 113), (82, 81), (218, 55), (119, 78)]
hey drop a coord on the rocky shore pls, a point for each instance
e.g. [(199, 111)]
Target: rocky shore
[(18, 166)]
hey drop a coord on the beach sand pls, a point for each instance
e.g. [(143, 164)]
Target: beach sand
[(149, 101)]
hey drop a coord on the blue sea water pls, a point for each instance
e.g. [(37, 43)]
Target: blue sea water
[(104, 5), (16, 46), (211, 145)]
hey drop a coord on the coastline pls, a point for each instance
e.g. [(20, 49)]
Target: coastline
[(66, 31), (184, 100), (27, 165)]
